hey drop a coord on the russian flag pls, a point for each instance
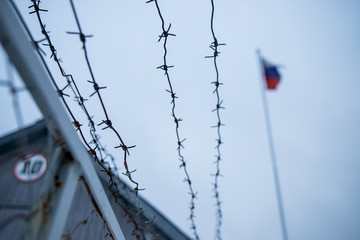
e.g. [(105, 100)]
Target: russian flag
[(271, 74)]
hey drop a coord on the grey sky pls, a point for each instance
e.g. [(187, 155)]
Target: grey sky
[(315, 112)]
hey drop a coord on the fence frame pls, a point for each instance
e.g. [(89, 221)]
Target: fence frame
[(22, 53)]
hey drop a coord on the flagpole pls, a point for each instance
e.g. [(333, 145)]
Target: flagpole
[(272, 152)]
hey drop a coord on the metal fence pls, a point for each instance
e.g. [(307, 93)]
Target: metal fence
[(51, 188), (20, 50)]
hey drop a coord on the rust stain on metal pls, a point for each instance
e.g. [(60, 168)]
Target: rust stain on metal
[(57, 182)]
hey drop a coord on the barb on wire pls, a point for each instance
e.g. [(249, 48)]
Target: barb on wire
[(165, 67), (97, 89), (214, 46), (98, 152)]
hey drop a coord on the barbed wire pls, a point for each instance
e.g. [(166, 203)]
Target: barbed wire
[(214, 46), (107, 122), (98, 149), (80, 99), (139, 209), (69, 83), (165, 67), (130, 211), (133, 213)]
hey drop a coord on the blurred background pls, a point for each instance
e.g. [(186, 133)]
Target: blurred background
[(314, 112)]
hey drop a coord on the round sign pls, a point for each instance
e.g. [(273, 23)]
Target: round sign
[(30, 168)]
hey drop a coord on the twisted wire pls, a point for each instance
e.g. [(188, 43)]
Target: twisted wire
[(165, 67), (214, 46)]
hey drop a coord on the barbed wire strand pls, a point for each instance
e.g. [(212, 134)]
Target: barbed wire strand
[(214, 46), (78, 97), (107, 122), (138, 230), (58, 90), (83, 37), (81, 100), (164, 35)]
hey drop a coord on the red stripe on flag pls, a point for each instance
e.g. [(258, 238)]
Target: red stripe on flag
[(272, 82)]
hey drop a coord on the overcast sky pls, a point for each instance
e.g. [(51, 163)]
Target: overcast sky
[(315, 111)]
